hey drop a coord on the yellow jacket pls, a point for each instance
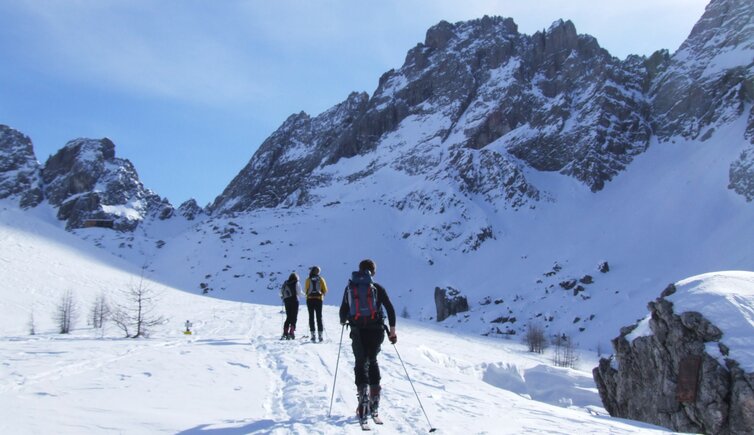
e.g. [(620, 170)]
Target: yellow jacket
[(322, 289)]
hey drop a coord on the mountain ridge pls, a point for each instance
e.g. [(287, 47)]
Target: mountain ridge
[(456, 186)]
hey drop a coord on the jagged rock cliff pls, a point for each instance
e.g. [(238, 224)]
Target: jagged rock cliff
[(283, 168), (680, 373), (710, 79), (473, 106), (19, 168), (85, 180)]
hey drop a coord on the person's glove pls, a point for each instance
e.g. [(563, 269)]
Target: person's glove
[(391, 336)]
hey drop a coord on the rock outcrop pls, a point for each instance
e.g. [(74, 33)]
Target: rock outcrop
[(85, 181), (449, 302), (20, 172), (670, 379), (191, 210), (742, 175)]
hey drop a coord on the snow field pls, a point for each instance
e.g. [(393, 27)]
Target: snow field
[(234, 375)]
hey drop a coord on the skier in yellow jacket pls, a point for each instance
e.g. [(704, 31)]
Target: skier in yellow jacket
[(315, 289)]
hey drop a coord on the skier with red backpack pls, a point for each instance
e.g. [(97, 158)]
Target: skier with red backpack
[(361, 309)]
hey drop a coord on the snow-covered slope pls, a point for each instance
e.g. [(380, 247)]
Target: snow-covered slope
[(234, 375), (670, 216)]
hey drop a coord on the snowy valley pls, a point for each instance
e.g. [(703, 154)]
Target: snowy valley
[(536, 177), (234, 375)]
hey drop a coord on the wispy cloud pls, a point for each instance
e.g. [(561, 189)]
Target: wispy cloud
[(141, 49), (240, 53)]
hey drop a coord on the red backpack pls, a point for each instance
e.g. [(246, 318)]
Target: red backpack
[(363, 300)]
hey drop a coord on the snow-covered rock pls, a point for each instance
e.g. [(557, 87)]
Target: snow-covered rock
[(85, 181), (689, 365)]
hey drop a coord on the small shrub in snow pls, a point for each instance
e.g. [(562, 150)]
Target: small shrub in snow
[(66, 312), (535, 338), (100, 311)]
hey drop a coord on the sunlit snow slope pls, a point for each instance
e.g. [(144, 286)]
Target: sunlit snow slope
[(234, 375)]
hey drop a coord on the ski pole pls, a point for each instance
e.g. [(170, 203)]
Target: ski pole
[(431, 429), (337, 362)]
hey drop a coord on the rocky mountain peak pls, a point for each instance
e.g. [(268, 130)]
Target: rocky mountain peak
[(561, 35), (554, 101), (439, 35), (19, 168), (86, 181)]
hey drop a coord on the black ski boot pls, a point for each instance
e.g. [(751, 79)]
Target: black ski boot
[(320, 336), (374, 401), (362, 411), (311, 333)]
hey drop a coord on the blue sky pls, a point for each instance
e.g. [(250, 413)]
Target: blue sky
[(189, 89)]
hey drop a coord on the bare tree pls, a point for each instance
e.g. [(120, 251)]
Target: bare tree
[(565, 351), (66, 312), (535, 338), (136, 314), (405, 314), (100, 311), (32, 323)]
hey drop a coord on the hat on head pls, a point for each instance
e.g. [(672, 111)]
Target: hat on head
[(368, 265)]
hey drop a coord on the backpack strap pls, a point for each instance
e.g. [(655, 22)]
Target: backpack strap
[(370, 297)]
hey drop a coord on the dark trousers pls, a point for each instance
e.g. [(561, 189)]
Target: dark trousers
[(366, 345), (291, 314), (315, 307)]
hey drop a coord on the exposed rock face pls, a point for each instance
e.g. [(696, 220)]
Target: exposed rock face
[(589, 117), (651, 382), (19, 168), (474, 105), (190, 210), (710, 79), (742, 175), (86, 181), (282, 169), (449, 302)]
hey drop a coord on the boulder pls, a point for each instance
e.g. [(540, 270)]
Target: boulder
[(449, 302)]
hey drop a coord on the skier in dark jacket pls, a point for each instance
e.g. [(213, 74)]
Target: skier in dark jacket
[(289, 293), (361, 308)]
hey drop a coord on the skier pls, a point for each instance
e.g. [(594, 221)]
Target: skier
[(315, 289), (289, 293), (361, 308)]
